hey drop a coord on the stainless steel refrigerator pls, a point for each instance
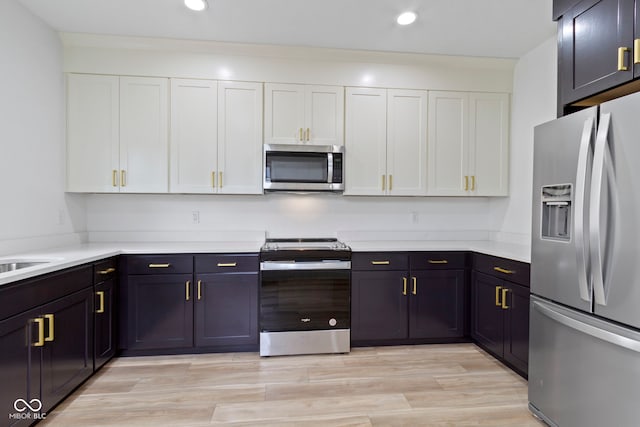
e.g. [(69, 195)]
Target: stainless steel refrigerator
[(584, 354)]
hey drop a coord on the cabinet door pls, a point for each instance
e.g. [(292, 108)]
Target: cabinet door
[(488, 144), (67, 355), (591, 34), (105, 327), (448, 143), (226, 309), (144, 148), (407, 142), (379, 305), (436, 305), (92, 133), (516, 345), (239, 138), (486, 314), (365, 141), (284, 113), (194, 133), (324, 115), (160, 311)]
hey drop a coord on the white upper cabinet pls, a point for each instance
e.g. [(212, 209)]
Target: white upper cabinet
[(468, 144), (93, 142), (239, 138), (303, 114), (194, 136), (386, 142)]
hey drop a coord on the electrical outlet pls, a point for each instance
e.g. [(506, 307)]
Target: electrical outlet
[(195, 216), (61, 217), (414, 217)]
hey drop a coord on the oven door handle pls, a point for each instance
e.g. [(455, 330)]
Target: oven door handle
[(305, 265)]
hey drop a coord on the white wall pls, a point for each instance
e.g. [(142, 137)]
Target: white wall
[(34, 210), (534, 102)]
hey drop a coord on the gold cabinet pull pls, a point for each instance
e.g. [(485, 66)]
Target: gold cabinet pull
[(213, 179), (123, 178), (384, 182), (473, 183), (100, 295), (167, 265), (199, 290), (308, 134), (40, 322), (114, 178), (415, 286), (380, 263), (50, 336), (503, 270), (390, 182), (106, 271), (621, 57), (187, 289), (498, 303), (504, 305), (220, 179), (438, 261), (404, 286), (636, 51), (227, 264), (466, 183), (301, 135)]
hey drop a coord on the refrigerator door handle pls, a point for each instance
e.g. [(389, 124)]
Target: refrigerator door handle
[(581, 245), (585, 328), (597, 177)]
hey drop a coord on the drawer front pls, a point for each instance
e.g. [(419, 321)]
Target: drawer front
[(371, 261), (105, 270), (507, 269), (227, 263), (448, 260), (159, 264)]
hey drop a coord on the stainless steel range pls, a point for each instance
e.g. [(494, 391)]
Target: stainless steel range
[(305, 297)]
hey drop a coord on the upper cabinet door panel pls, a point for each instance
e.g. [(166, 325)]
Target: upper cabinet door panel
[(144, 149), (324, 115), (448, 141), (194, 133), (489, 144), (284, 113), (407, 142), (365, 141), (239, 138), (92, 133)]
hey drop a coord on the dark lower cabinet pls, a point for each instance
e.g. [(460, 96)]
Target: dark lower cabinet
[(105, 322)]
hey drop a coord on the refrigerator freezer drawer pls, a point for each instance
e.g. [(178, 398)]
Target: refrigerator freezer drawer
[(583, 371)]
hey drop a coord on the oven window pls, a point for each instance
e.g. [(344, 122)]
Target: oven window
[(304, 300), (297, 167)]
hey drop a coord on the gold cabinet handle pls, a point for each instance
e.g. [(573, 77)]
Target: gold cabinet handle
[(227, 264), (621, 57), (438, 261), (504, 305), (636, 51), (50, 336), (213, 179), (100, 295), (199, 290), (123, 178), (503, 270), (167, 265), (498, 303), (308, 134), (40, 322), (220, 179), (390, 182), (380, 263), (301, 135), (187, 289), (415, 286), (466, 183), (114, 178), (107, 271), (384, 182), (404, 286), (473, 183)]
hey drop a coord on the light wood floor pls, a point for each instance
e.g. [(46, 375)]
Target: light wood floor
[(428, 385)]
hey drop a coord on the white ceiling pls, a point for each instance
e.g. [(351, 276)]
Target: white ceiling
[(493, 28)]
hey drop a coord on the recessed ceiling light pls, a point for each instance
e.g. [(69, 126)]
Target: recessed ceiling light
[(196, 5), (406, 18)]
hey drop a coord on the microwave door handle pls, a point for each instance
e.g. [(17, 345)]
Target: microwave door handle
[(329, 168), (579, 214)]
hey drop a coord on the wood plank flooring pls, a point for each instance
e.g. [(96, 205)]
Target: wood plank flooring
[(427, 385)]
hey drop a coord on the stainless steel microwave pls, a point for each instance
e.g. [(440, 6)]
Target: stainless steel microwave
[(289, 167)]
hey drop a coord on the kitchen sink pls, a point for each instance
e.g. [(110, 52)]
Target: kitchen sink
[(6, 266)]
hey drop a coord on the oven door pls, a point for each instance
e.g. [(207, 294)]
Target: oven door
[(305, 296)]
